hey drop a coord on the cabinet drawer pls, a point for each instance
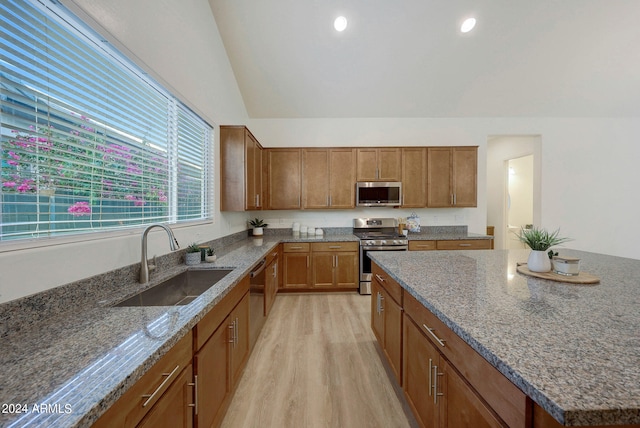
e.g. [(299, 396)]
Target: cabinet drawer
[(465, 244), (422, 245), (141, 397), (296, 247), (389, 284), (511, 404), (335, 246), (210, 322)]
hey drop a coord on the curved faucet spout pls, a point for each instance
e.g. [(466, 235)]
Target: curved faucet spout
[(144, 264)]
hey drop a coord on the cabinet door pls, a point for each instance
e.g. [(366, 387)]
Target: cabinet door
[(346, 270), (252, 175), (284, 171), (295, 270), (174, 409), (393, 336), (465, 173), (389, 164), (461, 407), (315, 178), (419, 359), (323, 266), (414, 177), (342, 178), (212, 371), (439, 186), (377, 312), (239, 319), (367, 164)]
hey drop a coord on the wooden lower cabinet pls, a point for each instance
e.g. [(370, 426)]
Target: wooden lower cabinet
[(335, 265), (221, 344), (296, 264), (437, 394), (272, 281), (386, 322), (175, 408), (320, 266), (166, 384)]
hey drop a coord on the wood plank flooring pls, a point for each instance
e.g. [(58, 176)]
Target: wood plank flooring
[(316, 364)]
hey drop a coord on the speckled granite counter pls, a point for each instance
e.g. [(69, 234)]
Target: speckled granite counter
[(69, 350), (574, 349)]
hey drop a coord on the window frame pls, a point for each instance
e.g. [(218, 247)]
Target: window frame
[(74, 21)]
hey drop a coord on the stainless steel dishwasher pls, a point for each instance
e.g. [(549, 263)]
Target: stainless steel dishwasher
[(256, 301)]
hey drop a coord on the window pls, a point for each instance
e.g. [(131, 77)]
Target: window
[(88, 141)]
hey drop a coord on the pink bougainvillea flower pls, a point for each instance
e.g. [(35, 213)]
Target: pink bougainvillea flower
[(79, 209), (9, 184)]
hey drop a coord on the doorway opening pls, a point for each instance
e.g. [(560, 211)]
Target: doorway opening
[(513, 186), (519, 206)]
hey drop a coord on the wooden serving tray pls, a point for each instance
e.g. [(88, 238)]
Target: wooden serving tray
[(581, 278)]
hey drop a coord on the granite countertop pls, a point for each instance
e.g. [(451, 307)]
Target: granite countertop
[(574, 349), (69, 350)]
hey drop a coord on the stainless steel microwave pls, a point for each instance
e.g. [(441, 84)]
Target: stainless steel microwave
[(378, 193)]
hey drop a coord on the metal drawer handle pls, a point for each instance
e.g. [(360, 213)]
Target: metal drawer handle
[(335, 247), (464, 245), (295, 248), (195, 399), (381, 279), (150, 397), (430, 330)]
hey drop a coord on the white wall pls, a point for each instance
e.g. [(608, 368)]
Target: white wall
[(589, 174), (179, 44)]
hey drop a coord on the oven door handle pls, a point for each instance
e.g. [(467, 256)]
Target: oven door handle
[(386, 248)]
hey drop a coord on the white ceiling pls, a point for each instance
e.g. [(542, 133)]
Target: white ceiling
[(407, 58)]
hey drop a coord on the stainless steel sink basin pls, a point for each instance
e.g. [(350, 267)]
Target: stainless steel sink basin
[(181, 289)]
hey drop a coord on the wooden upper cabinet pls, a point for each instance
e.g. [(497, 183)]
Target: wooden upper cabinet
[(241, 186), (315, 178), (284, 178), (342, 178), (379, 164), (328, 178), (414, 177), (452, 176)]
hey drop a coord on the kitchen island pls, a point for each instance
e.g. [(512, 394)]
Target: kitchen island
[(572, 349)]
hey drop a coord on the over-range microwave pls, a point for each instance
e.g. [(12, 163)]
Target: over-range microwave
[(378, 193)]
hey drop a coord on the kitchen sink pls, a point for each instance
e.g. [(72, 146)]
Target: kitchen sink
[(178, 290)]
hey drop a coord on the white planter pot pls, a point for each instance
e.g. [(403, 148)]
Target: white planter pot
[(192, 258), (210, 259), (258, 231), (539, 261)]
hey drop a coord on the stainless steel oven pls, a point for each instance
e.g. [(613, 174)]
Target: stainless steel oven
[(376, 234)]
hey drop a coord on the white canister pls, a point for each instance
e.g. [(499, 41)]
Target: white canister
[(311, 230), (319, 232), (303, 230), (295, 227)]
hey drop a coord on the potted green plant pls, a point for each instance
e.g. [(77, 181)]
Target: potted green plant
[(540, 240), (192, 256), (211, 255), (258, 226)]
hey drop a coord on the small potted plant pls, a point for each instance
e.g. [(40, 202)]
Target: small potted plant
[(258, 226), (192, 256), (211, 255), (540, 240)]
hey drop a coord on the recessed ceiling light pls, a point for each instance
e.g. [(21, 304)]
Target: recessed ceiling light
[(340, 23), (468, 25)]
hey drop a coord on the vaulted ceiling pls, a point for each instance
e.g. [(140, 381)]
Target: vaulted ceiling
[(408, 58)]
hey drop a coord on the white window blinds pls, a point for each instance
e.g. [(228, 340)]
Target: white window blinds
[(88, 142)]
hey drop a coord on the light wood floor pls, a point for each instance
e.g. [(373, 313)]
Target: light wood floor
[(316, 365)]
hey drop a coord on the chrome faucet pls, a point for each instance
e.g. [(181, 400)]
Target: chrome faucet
[(144, 264)]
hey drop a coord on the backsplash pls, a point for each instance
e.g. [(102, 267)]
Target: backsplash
[(86, 293)]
